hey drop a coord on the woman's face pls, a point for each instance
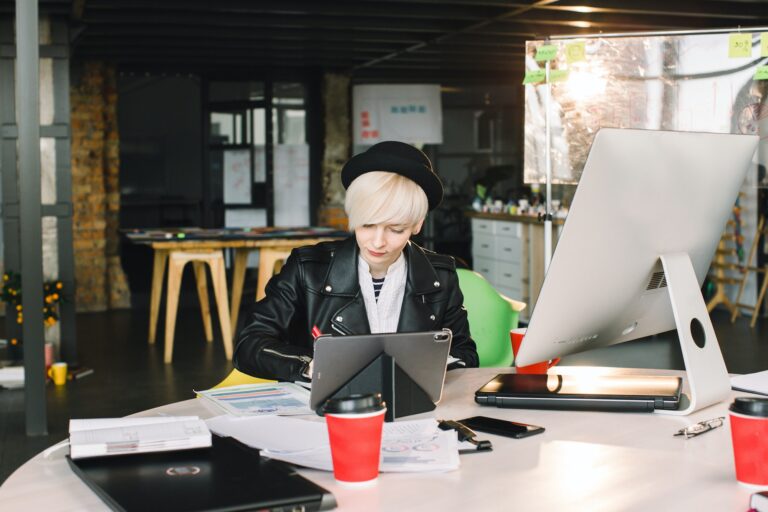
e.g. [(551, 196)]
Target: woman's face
[(381, 244)]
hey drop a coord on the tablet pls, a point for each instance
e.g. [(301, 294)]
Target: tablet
[(421, 355), (639, 393)]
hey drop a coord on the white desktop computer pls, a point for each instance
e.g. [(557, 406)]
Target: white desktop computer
[(644, 225)]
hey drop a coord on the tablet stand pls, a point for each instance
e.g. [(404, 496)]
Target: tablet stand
[(401, 394), (708, 379)]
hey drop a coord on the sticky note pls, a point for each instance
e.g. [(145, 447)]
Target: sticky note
[(575, 52), (535, 76), (764, 44), (558, 75), (761, 73), (739, 45), (546, 52)]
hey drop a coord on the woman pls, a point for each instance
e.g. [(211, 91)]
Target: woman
[(377, 281)]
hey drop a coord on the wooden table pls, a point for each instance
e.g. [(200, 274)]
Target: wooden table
[(584, 461), (270, 249)]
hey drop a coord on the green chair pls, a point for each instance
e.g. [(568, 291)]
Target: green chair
[(491, 317)]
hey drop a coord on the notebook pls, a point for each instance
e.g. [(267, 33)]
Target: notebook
[(226, 477), (636, 393)]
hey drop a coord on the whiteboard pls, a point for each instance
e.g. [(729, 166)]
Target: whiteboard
[(291, 180), (237, 176)]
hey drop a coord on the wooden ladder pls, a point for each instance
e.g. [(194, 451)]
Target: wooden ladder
[(736, 312), (724, 263)]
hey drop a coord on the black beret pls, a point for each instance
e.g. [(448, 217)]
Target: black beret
[(400, 158)]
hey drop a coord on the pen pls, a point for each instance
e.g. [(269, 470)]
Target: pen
[(316, 332)]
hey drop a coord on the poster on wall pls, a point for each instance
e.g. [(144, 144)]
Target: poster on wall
[(237, 176), (408, 113)]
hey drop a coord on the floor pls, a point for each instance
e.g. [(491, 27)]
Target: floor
[(130, 375)]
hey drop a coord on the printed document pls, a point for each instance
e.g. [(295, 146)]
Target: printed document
[(118, 436), (407, 446), (266, 399)]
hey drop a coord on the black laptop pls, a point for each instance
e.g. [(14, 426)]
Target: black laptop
[(229, 476), (637, 393)]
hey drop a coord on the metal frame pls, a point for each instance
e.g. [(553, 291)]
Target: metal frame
[(30, 212), (22, 211)]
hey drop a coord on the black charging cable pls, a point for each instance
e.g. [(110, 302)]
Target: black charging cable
[(465, 434)]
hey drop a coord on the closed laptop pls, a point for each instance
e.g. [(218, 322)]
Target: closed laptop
[(638, 393), (229, 476)]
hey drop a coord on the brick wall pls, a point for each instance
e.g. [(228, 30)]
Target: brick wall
[(99, 278), (338, 140)]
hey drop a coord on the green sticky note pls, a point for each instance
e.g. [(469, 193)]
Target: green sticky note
[(739, 45), (546, 52), (575, 52), (535, 76), (761, 73), (764, 44), (558, 75)]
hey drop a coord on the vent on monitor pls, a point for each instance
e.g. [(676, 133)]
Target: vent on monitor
[(658, 280)]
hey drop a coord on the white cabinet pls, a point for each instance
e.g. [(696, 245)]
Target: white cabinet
[(510, 255)]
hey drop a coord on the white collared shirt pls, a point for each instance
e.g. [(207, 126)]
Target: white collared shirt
[(384, 314)]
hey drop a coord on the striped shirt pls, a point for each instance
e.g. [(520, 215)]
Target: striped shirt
[(377, 284)]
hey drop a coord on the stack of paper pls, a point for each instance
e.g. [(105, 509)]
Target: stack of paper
[(407, 446), (12, 377), (118, 436), (267, 399), (751, 383)]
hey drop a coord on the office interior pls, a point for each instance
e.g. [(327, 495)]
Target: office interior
[(148, 101)]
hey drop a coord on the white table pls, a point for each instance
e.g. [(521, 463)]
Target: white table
[(591, 461)]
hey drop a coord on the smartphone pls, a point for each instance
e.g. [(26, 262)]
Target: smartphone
[(501, 427)]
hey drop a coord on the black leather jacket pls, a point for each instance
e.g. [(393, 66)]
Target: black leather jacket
[(318, 286)]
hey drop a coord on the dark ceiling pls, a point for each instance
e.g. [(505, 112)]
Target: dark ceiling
[(404, 39)]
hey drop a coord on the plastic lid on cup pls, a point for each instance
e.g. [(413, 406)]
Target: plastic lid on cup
[(353, 404), (750, 406)]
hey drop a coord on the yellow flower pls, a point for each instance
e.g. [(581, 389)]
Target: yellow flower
[(59, 286)]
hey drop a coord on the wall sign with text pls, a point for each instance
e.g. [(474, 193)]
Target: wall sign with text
[(408, 113)]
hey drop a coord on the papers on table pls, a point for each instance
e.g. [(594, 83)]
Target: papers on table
[(12, 377), (751, 383), (407, 446), (279, 398), (117, 436)]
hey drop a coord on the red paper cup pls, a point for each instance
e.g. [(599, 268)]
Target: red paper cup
[(749, 431), (517, 335), (355, 424)]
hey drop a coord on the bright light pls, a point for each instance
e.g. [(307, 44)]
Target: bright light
[(580, 24), (583, 86), (581, 8)]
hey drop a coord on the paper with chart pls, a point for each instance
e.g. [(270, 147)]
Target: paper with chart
[(407, 446), (276, 398)]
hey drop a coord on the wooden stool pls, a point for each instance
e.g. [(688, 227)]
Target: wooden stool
[(176, 262), (270, 262)]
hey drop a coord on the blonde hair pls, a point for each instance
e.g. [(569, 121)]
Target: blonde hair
[(378, 197)]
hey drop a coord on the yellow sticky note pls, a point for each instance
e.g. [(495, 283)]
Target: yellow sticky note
[(764, 44), (535, 76), (558, 75), (546, 52), (761, 73), (739, 45), (575, 52)]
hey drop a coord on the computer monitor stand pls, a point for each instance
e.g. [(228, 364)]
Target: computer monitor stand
[(708, 379)]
